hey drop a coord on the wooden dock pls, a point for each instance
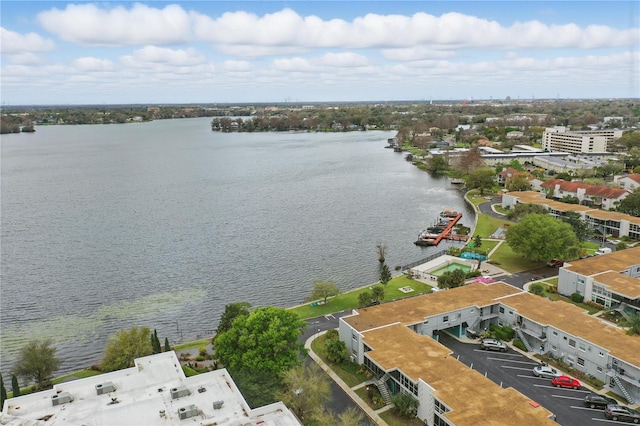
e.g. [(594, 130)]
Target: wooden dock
[(445, 234)]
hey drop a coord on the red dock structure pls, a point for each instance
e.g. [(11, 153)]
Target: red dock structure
[(434, 239)]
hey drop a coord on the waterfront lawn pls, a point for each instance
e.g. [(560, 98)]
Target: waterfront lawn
[(487, 225), (190, 345), (508, 260), (349, 300)]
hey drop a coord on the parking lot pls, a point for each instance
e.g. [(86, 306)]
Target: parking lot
[(512, 369)]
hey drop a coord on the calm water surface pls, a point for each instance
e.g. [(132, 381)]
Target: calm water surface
[(164, 223)]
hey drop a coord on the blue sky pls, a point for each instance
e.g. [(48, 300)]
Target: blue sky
[(110, 52)]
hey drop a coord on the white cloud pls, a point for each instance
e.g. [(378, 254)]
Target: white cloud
[(151, 55), (237, 66), (415, 53), (88, 64), (26, 58), (89, 25), (13, 42), (286, 29)]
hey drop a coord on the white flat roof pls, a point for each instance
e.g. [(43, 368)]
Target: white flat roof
[(143, 396)]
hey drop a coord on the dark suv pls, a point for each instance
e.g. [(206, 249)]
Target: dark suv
[(595, 400), (618, 412)]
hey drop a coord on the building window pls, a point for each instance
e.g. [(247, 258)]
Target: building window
[(439, 406), (554, 348), (581, 361), (445, 318), (599, 369), (582, 347), (501, 310), (354, 335), (555, 333), (601, 353), (570, 360), (572, 343)]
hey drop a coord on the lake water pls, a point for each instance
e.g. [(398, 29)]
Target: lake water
[(164, 223)]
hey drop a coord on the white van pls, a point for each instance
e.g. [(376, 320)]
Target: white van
[(602, 250)]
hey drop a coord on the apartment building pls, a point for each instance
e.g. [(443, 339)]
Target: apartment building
[(629, 182), (605, 222), (603, 197), (559, 138), (395, 341), (153, 392)]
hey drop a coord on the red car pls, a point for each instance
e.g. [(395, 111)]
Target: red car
[(555, 263), (565, 382)]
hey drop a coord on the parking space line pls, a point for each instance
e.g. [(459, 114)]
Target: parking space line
[(509, 360), (568, 397), (527, 376), (595, 419), (502, 353), (584, 408), (515, 368), (564, 389)]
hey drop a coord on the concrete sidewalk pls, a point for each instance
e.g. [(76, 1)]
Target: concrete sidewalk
[(373, 415)]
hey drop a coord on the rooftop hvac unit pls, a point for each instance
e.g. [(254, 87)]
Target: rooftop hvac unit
[(179, 391), (105, 387), (61, 398), (188, 411), (217, 405)]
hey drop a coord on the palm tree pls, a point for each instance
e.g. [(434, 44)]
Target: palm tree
[(632, 321)]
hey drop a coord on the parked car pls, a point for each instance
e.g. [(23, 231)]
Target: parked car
[(618, 412), (546, 371), (565, 382), (493, 345), (555, 263), (595, 400)]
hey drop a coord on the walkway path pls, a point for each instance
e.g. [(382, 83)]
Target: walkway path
[(373, 415)]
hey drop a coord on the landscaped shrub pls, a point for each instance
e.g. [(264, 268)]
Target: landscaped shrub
[(520, 345), (594, 304), (473, 274), (331, 334), (505, 333), (536, 288), (577, 297)]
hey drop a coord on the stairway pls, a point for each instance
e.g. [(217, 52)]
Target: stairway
[(381, 383), (522, 337), (622, 388)]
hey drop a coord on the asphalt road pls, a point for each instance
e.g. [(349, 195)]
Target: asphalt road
[(340, 401), (512, 369)]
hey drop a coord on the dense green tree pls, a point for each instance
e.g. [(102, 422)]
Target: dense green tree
[(323, 290), (580, 226), (385, 275), (405, 405), (570, 199), (541, 237), (437, 163), (15, 386), (377, 293), (167, 347), (125, 346), (482, 179), (155, 342), (621, 246), (258, 388), (518, 182), (521, 210), (364, 299), (632, 322), (336, 350), (231, 312), (305, 390), (536, 288), (37, 361), (266, 340), (452, 279), (631, 204), (477, 241), (3, 391)]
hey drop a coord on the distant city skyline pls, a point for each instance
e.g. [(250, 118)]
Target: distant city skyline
[(56, 52)]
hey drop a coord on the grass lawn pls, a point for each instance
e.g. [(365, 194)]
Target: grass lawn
[(508, 260), (394, 420), (349, 300), (189, 345), (555, 296), (348, 372), (487, 225)]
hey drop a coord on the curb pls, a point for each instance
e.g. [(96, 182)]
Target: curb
[(354, 397)]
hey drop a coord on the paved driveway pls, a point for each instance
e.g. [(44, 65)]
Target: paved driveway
[(512, 369)]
